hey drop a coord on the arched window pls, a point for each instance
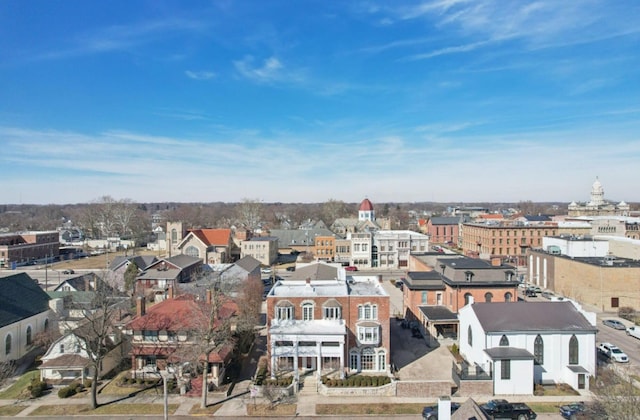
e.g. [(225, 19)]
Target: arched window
[(467, 298), (504, 341), (192, 251), (382, 360), (508, 296), (307, 311), (7, 345), (29, 335), (46, 324), (538, 350), (469, 336), (574, 358), (174, 236), (488, 296), (368, 359)]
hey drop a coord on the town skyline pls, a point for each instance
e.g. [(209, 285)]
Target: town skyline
[(436, 101)]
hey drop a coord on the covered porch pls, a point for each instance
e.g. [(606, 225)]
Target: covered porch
[(438, 322)]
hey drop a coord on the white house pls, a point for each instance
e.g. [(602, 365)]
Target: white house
[(24, 312), (520, 344)]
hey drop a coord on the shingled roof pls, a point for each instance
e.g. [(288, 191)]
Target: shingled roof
[(20, 298)]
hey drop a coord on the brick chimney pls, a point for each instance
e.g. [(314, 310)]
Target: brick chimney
[(209, 296), (496, 262), (140, 306), (308, 281)]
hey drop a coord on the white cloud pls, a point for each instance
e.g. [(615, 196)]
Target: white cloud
[(200, 75), (270, 70)]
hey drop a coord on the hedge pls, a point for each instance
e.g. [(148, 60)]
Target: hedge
[(356, 381)]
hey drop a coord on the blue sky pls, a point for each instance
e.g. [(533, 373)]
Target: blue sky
[(304, 101)]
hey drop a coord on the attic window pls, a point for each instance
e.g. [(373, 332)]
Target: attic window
[(508, 275), (468, 275)]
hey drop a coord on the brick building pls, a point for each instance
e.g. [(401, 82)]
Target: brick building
[(28, 247), (328, 323), (262, 248), (444, 284), (443, 230)]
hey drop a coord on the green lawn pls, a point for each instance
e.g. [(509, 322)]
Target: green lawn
[(15, 390), (11, 410)]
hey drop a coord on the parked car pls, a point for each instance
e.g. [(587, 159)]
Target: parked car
[(68, 271), (613, 353), (292, 268), (265, 271), (547, 295), (503, 409), (573, 410), (613, 323), (430, 412), (634, 331), (400, 284), (536, 289), (530, 293), (351, 268)]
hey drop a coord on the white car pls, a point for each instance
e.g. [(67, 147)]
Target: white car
[(634, 331), (266, 271), (613, 352)]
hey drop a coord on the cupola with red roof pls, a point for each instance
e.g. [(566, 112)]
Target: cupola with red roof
[(365, 212)]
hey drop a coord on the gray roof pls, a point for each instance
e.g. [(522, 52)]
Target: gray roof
[(248, 263), (424, 280), (438, 313), (442, 220), (317, 271), (183, 261), (577, 369), (467, 263), (513, 353), (20, 298), (141, 261), (298, 237), (499, 317), (469, 410)]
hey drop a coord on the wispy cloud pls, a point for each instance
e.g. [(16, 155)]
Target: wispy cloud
[(267, 71), (200, 75)]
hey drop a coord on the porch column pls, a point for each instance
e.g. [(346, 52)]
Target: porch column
[(295, 359), (342, 360), (319, 361), (273, 360)]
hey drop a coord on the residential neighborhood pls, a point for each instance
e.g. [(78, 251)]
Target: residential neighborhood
[(368, 312)]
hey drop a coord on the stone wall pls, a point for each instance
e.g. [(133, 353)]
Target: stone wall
[(423, 389), (474, 387), (388, 390)]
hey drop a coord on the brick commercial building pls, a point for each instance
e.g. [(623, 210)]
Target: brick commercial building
[(28, 247), (328, 323)]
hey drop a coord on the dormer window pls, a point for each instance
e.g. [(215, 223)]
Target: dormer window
[(468, 275), (508, 275)]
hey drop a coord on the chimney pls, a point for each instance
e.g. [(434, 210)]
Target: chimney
[(140, 306), (380, 278), (444, 408), (308, 281), (496, 262), (209, 296), (170, 292)]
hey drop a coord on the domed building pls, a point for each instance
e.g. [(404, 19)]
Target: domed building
[(366, 212), (598, 206)]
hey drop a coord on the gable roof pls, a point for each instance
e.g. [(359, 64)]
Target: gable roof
[(318, 271), (182, 261), (216, 237), (248, 263), (500, 317), (141, 261), (469, 410), (20, 298)]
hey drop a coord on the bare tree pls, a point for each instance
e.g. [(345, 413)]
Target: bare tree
[(616, 395), (7, 369), (249, 303), (334, 209), (97, 332), (250, 213)]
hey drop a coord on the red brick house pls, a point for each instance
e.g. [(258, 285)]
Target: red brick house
[(444, 284), (169, 332), (328, 322)]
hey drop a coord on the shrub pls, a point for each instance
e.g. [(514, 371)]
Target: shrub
[(455, 349), (67, 392), (139, 381), (37, 387), (627, 312), (87, 383)]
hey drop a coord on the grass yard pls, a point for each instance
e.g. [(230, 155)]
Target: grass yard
[(119, 408), (264, 410), (545, 407), (18, 389), (113, 387), (11, 410), (368, 409)]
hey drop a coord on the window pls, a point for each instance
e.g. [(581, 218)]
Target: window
[(615, 302), (469, 336), (332, 312), (574, 359), (504, 341), (505, 369), (284, 312), (508, 275), (508, 296), (307, 311), (424, 296), (150, 336), (467, 298), (382, 360), (46, 324), (172, 336), (488, 296), (61, 348), (368, 311), (369, 335), (353, 361), (368, 359), (192, 251), (538, 350), (468, 275), (174, 236), (7, 344)]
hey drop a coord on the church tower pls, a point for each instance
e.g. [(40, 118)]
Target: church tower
[(597, 194)]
